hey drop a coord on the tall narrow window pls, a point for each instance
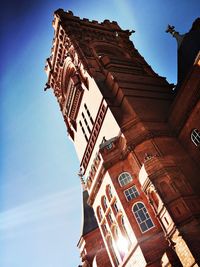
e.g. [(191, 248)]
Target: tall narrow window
[(104, 228), (124, 227), (115, 205), (131, 193), (88, 113), (110, 217), (142, 217), (125, 231), (86, 123), (105, 202), (112, 251), (99, 213), (195, 137), (109, 192), (83, 130), (124, 178)]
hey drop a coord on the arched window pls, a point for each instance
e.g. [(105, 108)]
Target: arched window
[(115, 205), (105, 202), (99, 213), (124, 178), (124, 231), (121, 242), (123, 224), (110, 217), (109, 192), (112, 251), (142, 217), (195, 137)]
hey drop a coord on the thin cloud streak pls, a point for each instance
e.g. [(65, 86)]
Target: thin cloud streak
[(39, 209)]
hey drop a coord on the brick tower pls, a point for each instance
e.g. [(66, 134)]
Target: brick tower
[(138, 143)]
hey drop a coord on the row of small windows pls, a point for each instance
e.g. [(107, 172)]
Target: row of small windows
[(86, 123), (88, 113), (195, 137), (83, 130), (130, 193), (139, 210), (95, 132), (120, 240), (141, 215), (104, 204), (109, 215)]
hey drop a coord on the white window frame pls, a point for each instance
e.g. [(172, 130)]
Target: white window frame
[(195, 137), (99, 213), (109, 190), (116, 207), (124, 178), (131, 193), (142, 221), (110, 217)]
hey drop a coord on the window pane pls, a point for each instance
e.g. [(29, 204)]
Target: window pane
[(135, 208), (143, 227), (149, 223), (195, 137), (141, 215), (140, 205)]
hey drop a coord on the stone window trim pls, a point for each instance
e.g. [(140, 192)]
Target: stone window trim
[(109, 241), (99, 213), (104, 228), (131, 193), (142, 217), (195, 137), (109, 193), (123, 228), (104, 203), (110, 218), (124, 178), (116, 207)]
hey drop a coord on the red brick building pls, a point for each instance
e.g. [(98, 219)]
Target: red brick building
[(138, 142)]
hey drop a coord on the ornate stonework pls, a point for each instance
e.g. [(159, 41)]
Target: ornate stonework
[(138, 165)]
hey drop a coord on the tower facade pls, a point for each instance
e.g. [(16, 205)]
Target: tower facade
[(138, 144)]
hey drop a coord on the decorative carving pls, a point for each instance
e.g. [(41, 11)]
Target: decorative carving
[(147, 156)]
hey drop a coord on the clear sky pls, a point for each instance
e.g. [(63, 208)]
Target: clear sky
[(40, 194)]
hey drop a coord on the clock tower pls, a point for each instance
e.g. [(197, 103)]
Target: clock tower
[(138, 164)]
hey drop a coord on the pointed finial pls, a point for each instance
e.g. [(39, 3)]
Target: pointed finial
[(132, 31), (47, 86), (170, 29), (179, 37)]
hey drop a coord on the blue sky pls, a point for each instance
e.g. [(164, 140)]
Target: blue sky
[(40, 199)]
